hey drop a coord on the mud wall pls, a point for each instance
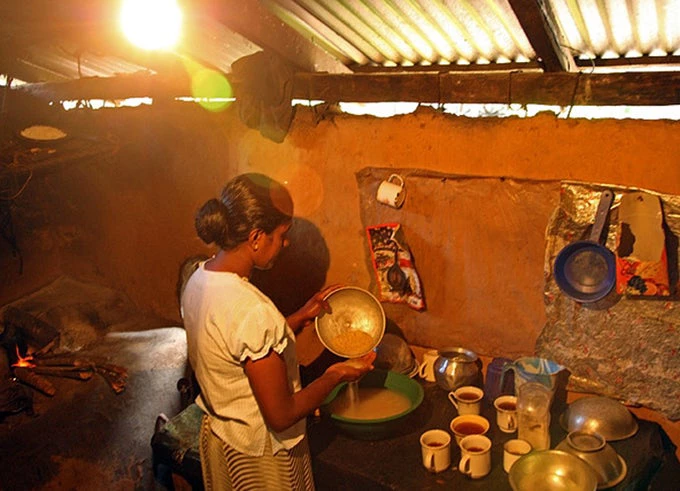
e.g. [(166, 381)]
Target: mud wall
[(125, 217)]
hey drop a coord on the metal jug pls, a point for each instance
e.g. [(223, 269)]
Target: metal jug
[(456, 367), (533, 369)]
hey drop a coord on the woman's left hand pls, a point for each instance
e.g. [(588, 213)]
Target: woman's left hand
[(313, 307)]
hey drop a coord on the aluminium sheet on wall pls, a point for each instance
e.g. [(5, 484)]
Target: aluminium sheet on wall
[(626, 347)]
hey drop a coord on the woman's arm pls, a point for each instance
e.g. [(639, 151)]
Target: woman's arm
[(311, 309), (279, 406)]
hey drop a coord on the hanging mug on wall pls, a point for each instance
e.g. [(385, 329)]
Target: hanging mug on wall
[(392, 192)]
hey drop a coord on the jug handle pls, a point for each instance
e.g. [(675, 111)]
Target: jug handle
[(507, 367)]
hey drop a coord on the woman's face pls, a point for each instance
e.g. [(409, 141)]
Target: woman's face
[(271, 246)]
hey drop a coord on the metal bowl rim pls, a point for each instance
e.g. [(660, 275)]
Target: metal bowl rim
[(368, 294), (564, 419), (585, 467), (471, 355)]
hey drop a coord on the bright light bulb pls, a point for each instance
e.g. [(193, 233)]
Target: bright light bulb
[(151, 24)]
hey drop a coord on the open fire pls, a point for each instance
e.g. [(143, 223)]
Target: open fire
[(23, 361), (34, 368)]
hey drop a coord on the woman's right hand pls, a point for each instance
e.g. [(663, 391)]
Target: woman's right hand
[(355, 368)]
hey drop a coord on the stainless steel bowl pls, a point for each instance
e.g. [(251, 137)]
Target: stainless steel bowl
[(354, 326), (394, 353), (549, 470), (595, 451), (601, 415)]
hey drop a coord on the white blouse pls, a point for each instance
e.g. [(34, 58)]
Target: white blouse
[(228, 320)]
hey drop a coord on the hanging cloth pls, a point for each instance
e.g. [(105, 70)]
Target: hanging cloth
[(264, 88)]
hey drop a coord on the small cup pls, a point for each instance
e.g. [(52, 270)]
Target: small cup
[(435, 448), (467, 399), (468, 424), (506, 413), (475, 461), (391, 191), (426, 370), (513, 450)]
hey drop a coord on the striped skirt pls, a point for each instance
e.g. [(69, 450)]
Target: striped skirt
[(224, 468)]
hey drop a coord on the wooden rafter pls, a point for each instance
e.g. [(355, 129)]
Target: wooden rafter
[(543, 35)]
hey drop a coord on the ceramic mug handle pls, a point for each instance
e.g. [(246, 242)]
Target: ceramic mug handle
[(452, 398), (464, 466), (398, 178), (422, 370)]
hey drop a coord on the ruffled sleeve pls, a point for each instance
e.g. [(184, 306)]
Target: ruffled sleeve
[(260, 330)]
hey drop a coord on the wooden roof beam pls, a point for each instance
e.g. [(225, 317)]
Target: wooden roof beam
[(562, 89), (543, 35)]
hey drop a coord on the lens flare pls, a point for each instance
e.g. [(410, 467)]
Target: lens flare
[(211, 89), (151, 24)]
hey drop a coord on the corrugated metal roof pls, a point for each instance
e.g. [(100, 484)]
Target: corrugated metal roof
[(618, 29), (39, 43), (405, 33)]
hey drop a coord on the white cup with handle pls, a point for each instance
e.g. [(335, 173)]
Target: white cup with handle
[(513, 450), (392, 191), (426, 369), (435, 448), (467, 399), (475, 451)]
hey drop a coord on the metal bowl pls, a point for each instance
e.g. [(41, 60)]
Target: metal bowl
[(594, 450), (394, 353), (377, 429), (549, 470), (601, 415), (355, 324)]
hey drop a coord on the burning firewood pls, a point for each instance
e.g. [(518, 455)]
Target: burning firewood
[(27, 376), (114, 375), (68, 372), (70, 366)]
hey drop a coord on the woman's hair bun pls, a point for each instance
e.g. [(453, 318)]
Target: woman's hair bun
[(212, 223)]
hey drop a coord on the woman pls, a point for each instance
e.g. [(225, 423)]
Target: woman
[(242, 349)]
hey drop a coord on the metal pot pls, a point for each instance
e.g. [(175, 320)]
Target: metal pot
[(456, 367)]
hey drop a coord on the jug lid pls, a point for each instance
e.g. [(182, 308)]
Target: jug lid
[(458, 354)]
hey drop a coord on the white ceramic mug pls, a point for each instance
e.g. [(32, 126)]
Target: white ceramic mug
[(506, 413), (513, 450), (392, 192), (435, 447), (426, 370), (468, 424), (467, 399), (475, 451)]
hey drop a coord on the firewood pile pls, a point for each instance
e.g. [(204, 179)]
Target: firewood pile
[(30, 345)]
